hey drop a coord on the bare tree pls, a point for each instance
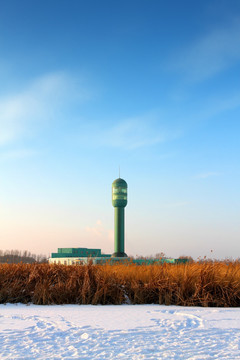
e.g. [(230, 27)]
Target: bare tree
[(16, 256)]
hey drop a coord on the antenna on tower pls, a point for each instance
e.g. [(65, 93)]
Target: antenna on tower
[(119, 172)]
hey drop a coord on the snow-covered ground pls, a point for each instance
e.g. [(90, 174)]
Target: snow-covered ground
[(118, 332)]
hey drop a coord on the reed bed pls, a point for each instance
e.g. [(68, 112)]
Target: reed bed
[(195, 284)]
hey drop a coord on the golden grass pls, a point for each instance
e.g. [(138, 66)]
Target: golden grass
[(195, 284)]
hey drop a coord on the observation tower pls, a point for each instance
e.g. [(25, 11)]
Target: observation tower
[(119, 201)]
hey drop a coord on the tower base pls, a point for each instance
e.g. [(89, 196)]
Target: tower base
[(119, 254)]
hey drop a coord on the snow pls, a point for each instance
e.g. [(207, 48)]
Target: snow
[(118, 332)]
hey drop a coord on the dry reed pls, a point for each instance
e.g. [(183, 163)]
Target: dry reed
[(196, 284)]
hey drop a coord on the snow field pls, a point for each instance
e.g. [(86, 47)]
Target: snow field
[(131, 332)]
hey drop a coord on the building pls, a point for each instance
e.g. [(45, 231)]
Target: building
[(75, 256)]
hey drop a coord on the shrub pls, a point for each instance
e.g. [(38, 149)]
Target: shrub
[(192, 284)]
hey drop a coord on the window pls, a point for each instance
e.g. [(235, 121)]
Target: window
[(119, 190), (119, 197)]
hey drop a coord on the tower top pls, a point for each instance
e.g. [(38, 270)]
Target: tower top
[(119, 182)]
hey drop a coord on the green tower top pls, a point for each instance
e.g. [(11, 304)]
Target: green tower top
[(119, 193)]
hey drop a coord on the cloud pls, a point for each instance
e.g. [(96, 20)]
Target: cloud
[(100, 233), (213, 53), (23, 112), (130, 133), (177, 204), (207, 175), (16, 154), (216, 106)]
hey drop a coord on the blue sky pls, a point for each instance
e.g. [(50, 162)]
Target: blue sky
[(152, 86)]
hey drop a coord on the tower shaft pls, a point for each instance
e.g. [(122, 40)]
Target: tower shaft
[(119, 232)]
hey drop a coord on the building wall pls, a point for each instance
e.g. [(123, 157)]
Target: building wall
[(104, 260), (68, 260)]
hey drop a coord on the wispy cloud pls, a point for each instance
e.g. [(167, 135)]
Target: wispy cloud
[(215, 106), (16, 154), (23, 112), (100, 233), (130, 133), (210, 54), (206, 175), (177, 204), (133, 133)]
